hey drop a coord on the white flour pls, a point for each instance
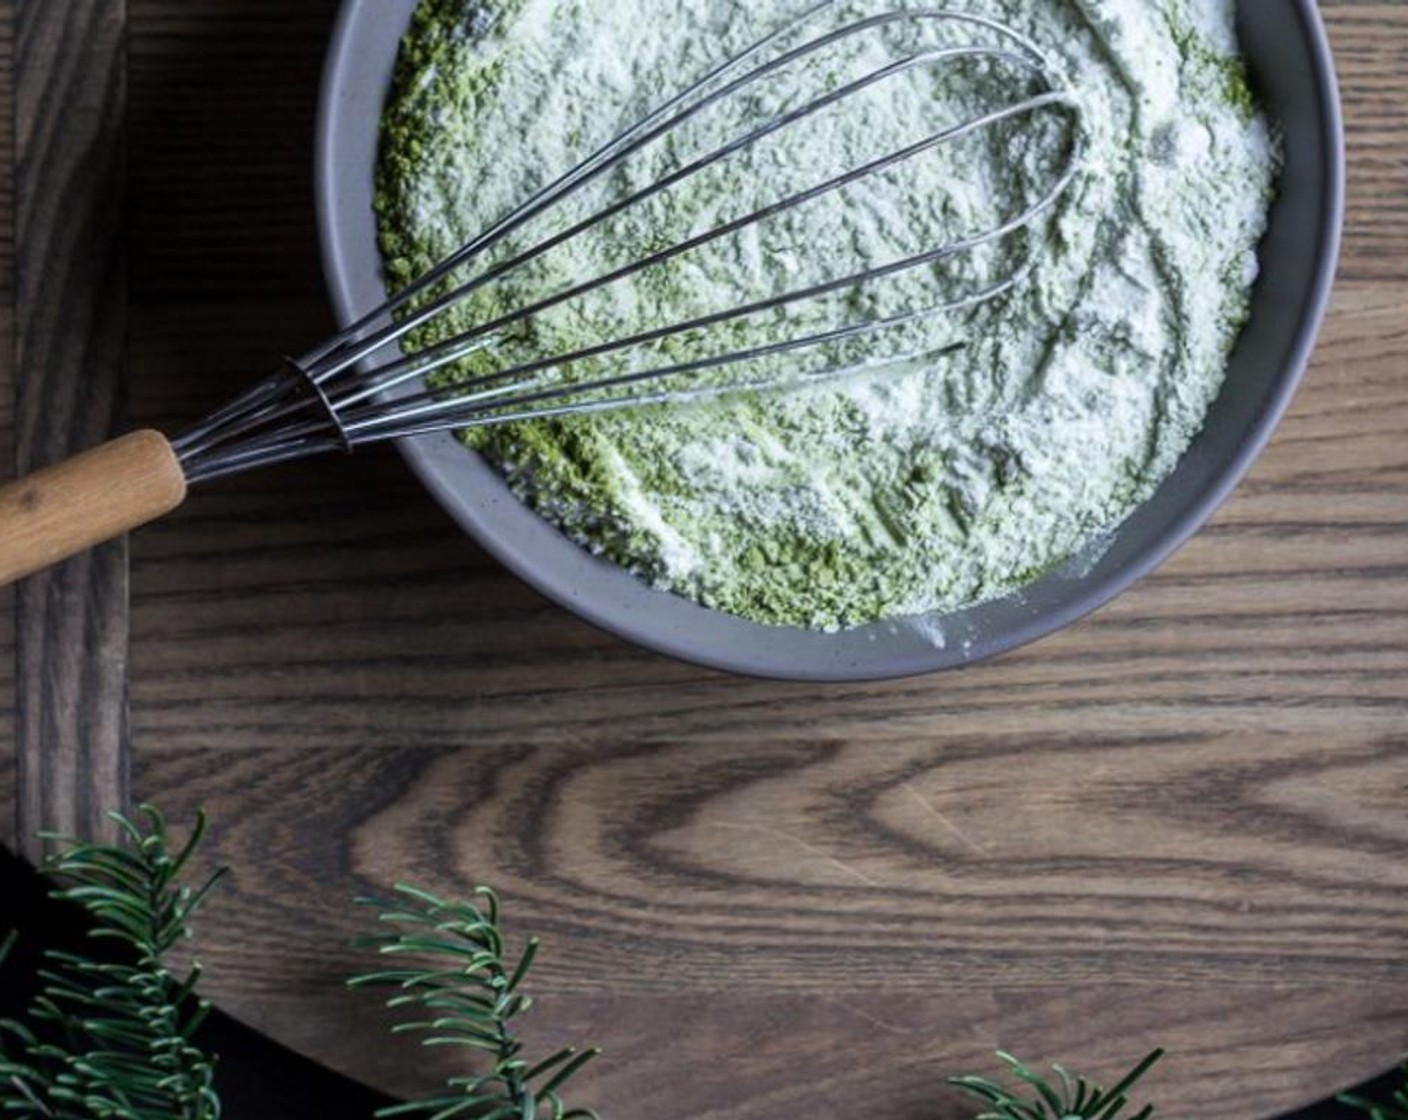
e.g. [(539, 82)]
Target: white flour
[(986, 446)]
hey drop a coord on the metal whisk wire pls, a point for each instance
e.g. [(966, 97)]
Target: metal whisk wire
[(342, 395)]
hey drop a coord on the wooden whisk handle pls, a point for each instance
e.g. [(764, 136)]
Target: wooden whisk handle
[(65, 509)]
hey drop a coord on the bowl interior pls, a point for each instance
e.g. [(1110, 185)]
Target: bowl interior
[(1287, 51)]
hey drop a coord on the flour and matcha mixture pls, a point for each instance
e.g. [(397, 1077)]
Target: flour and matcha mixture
[(964, 452)]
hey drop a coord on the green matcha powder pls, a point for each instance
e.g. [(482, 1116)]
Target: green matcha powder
[(968, 452)]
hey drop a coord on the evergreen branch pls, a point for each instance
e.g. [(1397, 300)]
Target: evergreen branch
[(114, 1039), (1070, 1098), (1396, 1109), (467, 993)]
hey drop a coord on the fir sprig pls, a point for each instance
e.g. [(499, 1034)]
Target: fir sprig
[(1062, 1098), (1395, 1109), (465, 990), (112, 1039)]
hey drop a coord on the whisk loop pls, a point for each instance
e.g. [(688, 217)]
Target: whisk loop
[(367, 384)]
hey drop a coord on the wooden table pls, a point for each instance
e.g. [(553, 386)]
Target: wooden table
[(1180, 822)]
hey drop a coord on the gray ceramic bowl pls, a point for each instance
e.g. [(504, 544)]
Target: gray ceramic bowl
[(1290, 59)]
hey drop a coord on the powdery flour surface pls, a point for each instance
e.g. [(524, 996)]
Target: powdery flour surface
[(970, 450)]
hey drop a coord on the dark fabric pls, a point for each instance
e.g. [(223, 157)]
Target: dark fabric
[(1380, 1089), (257, 1078)]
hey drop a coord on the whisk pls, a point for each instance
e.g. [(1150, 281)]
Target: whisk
[(368, 385)]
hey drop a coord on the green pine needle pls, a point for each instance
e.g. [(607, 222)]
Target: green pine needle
[(1396, 1109), (1066, 1098), (114, 1040), (461, 988)]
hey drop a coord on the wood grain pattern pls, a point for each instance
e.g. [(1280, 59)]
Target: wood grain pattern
[(7, 408), (1371, 53), (1180, 822), (70, 304)]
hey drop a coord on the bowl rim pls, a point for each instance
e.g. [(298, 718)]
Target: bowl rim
[(423, 452)]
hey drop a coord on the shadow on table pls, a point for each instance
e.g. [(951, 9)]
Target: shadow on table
[(256, 1077)]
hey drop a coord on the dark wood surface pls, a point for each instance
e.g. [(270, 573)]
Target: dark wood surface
[(1181, 822), (70, 304), (8, 800)]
